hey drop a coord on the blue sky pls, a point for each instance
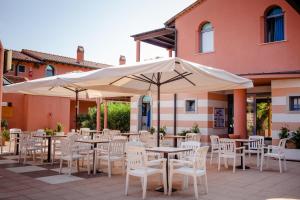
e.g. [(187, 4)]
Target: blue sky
[(102, 27)]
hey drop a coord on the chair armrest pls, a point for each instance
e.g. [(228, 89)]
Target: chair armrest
[(176, 161), (238, 148)]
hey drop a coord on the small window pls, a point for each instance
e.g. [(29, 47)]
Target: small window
[(206, 38), (21, 68), (50, 71), (190, 105), (274, 25), (294, 103)]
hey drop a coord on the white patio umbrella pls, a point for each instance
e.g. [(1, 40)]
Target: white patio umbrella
[(170, 75), (63, 86)]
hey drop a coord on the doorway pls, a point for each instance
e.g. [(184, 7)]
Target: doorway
[(145, 113)]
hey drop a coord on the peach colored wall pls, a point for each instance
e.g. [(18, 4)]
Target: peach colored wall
[(238, 43), (46, 112)]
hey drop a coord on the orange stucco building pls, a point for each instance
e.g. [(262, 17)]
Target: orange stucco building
[(29, 112), (256, 39)]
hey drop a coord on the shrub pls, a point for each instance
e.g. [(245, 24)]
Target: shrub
[(118, 117), (49, 131), (4, 123), (59, 127), (284, 133)]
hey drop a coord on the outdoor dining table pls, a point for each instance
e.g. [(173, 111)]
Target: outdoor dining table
[(49, 138), (166, 151), (243, 142), (94, 143), (175, 138)]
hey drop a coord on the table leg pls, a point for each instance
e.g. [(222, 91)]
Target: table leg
[(242, 160), (17, 145), (49, 149)]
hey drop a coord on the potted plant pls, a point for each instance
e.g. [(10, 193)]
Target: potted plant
[(296, 138), (4, 124), (184, 132), (163, 130), (152, 130), (195, 128), (284, 132), (49, 131), (5, 136), (59, 127)]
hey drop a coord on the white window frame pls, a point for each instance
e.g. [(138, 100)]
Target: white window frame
[(196, 105), (288, 103)]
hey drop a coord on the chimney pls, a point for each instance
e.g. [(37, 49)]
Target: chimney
[(122, 60), (80, 54)]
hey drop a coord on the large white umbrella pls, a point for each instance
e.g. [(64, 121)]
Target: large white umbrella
[(170, 75), (63, 86)]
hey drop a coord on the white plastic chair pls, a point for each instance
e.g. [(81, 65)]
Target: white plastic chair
[(194, 168), (13, 136), (84, 131), (116, 152), (56, 144), (228, 150), (137, 166), (255, 145), (214, 142), (276, 152), (70, 153), (28, 145), (189, 145)]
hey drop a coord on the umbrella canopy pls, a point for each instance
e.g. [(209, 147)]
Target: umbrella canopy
[(63, 86), (170, 75)]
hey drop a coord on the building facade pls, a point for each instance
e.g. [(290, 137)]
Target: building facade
[(29, 112), (258, 40)]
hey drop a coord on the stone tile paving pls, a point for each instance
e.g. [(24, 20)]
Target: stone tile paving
[(245, 185)]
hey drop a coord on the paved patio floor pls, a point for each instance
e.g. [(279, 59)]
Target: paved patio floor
[(43, 182)]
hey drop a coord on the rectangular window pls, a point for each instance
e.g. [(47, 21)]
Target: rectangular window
[(190, 105), (21, 68), (207, 43), (294, 103)]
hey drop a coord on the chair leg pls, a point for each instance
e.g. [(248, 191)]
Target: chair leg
[(257, 159), (211, 156), (196, 187), (284, 161), (225, 163), (244, 165), (109, 169), (233, 167), (70, 167), (280, 168), (127, 184), (144, 187), (219, 163), (123, 166), (206, 186), (170, 182), (268, 159), (165, 182), (60, 166), (78, 166), (261, 162)]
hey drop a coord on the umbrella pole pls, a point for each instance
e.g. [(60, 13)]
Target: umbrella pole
[(76, 110), (158, 114)]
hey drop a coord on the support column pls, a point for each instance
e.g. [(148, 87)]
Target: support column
[(170, 53), (138, 51), (105, 113), (98, 101), (240, 119), (1, 79)]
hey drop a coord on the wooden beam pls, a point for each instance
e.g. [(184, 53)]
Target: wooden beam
[(145, 36)]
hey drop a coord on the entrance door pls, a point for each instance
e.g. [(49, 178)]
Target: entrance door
[(145, 113), (263, 116)]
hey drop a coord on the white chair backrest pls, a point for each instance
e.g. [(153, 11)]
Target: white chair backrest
[(106, 131), (227, 146), (281, 145), (15, 130), (84, 131), (214, 141), (116, 147), (72, 137), (119, 137), (67, 146), (136, 157), (200, 157), (190, 145), (192, 137), (257, 142)]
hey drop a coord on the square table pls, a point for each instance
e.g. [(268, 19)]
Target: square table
[(242, 142), (175, 138), (49, 138), (166, 151), (94, 144)]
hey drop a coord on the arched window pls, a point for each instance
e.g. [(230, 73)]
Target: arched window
[(50, 70), (206, 38), (274, 25)]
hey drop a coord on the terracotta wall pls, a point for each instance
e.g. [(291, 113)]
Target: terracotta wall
[(281, 115), (238, 36)]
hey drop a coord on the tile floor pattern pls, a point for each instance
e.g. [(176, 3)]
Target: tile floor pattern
[(45, 183)]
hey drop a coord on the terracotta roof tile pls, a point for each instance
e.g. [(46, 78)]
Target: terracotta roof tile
[(62, 59), (23, 57)]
